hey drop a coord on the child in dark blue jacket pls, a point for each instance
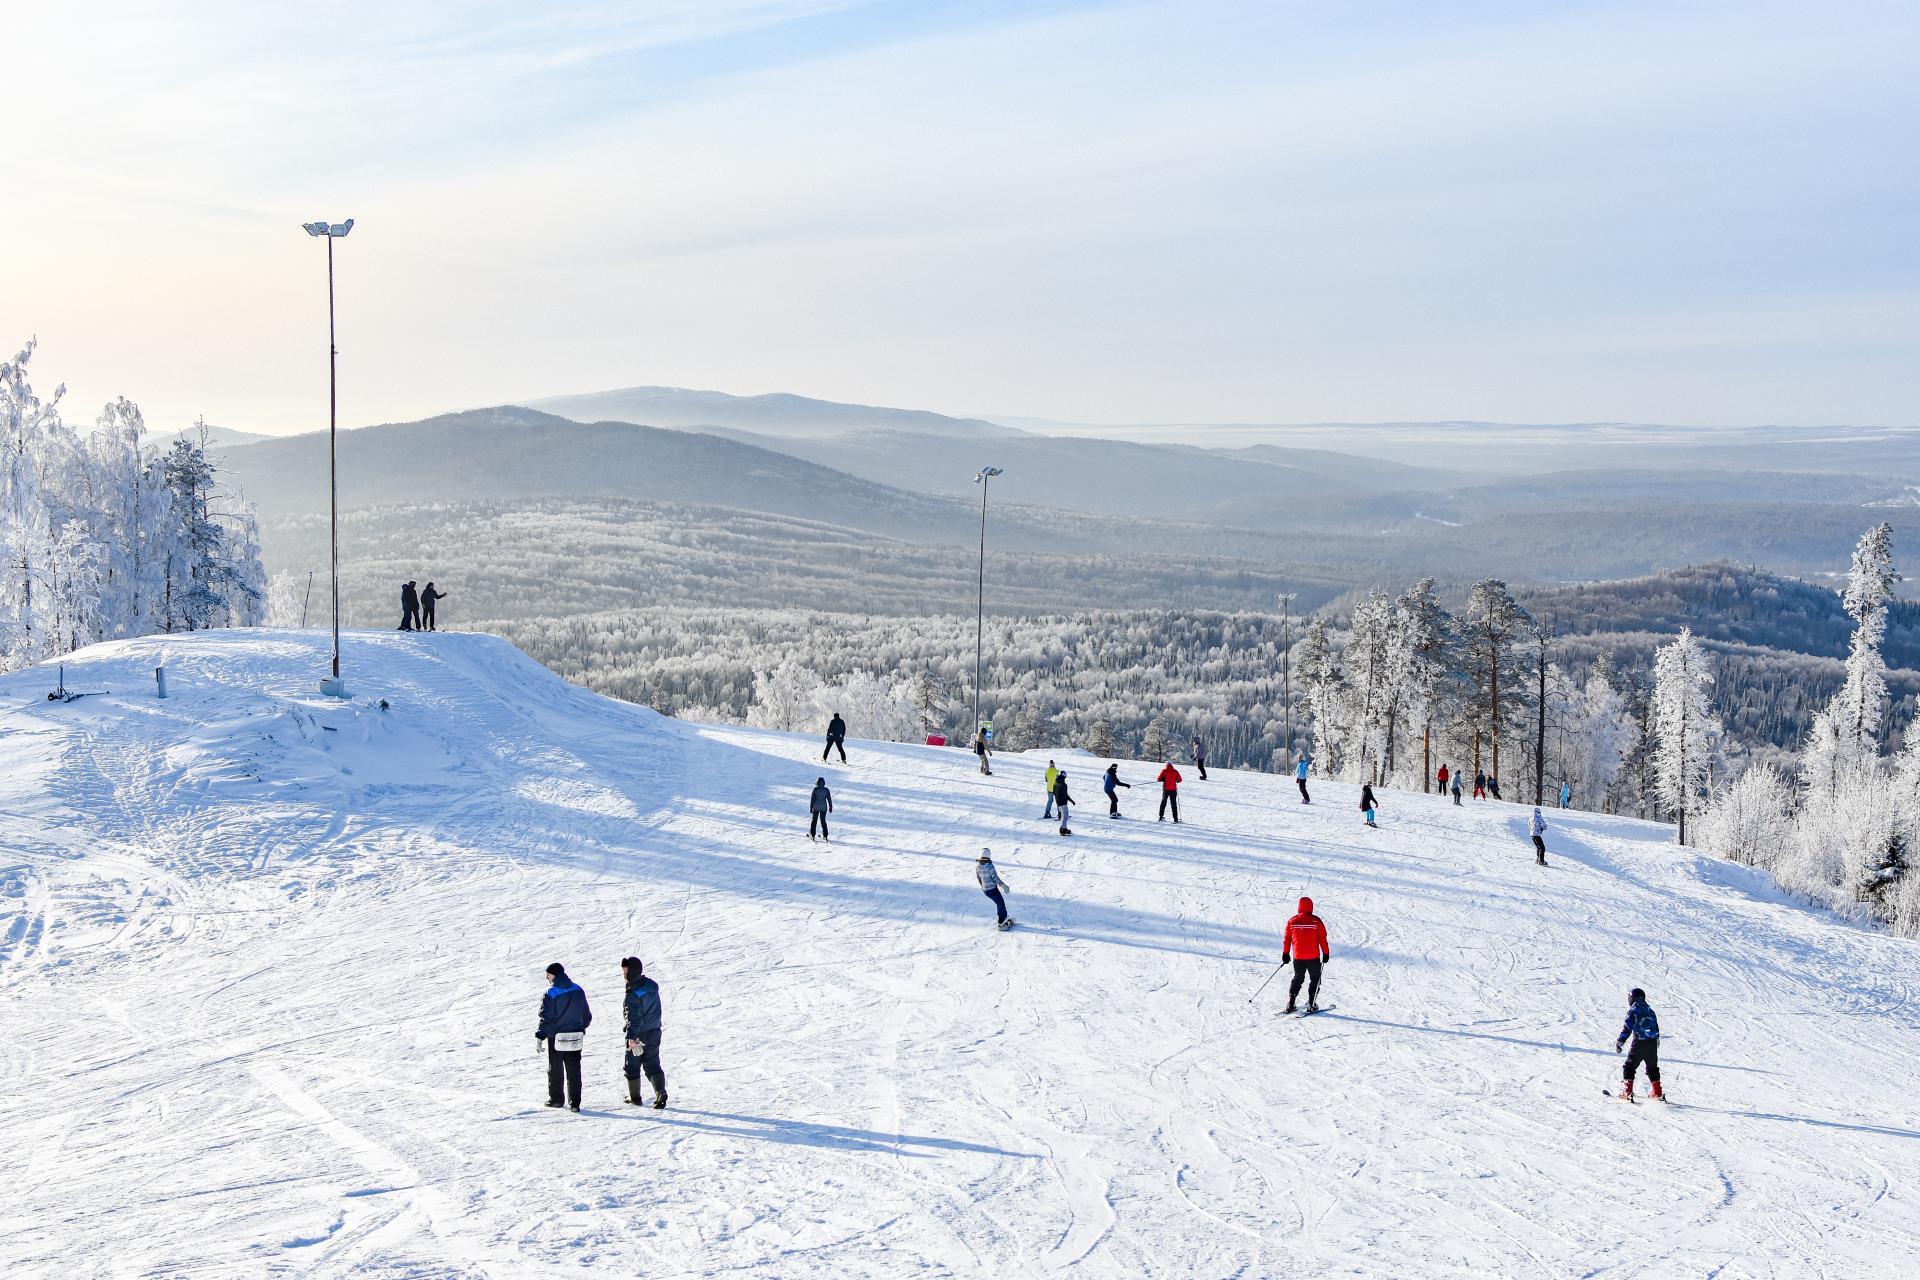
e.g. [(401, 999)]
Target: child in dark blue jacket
[(1644, 1028)]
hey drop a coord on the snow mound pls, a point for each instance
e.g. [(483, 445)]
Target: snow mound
[(272, 963)]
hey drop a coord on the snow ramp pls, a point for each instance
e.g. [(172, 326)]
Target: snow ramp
[(270, 966)]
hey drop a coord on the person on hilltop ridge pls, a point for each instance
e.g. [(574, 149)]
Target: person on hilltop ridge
[(429, 598), (409, 606), (836, 738), (1306, 946)]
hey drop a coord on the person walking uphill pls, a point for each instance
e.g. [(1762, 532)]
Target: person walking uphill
[(1062, 801), (564, 1019), (836, 738), (641, 1012), (1366, 802), (819, 805), (1300, 777), (1645, 1030), (1538, 829), (1200, 756), (991, 884), (1107, 784), (1306, 947), (409, 606), (428, 599), (1169, 791), (1053, 775)]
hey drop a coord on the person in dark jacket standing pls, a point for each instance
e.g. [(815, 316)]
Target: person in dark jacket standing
[(409, 606), (1108, 785), (1200, 756), (1479, 784), (1306, 947), (641, 1013), (1645, 1030), (1062, 800), (1169, 780), (820, 805), (836, 738), (1366, 802), (428, 599), (983, 750), (991, 884), (564, 1019)]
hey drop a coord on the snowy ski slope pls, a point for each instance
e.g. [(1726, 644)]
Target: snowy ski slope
[(271, 967)]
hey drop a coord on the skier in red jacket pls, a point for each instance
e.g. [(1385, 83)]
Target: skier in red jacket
[(1169, 791), (1306, 946)]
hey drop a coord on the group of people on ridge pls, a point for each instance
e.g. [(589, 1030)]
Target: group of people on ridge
[(562, 1034), (416, 607)]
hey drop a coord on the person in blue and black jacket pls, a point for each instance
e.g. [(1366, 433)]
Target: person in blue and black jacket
[(642, 1013), (564, 1018), (1645, 1030)]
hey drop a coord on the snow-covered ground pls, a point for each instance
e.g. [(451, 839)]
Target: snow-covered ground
[(272, 964)]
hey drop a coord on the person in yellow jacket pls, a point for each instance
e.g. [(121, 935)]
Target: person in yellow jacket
[(1053, 773)]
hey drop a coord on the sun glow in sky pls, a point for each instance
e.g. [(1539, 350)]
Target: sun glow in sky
[(1204, 210)]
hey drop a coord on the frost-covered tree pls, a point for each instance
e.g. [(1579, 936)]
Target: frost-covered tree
[(786, 697), (1317, 666), (1751, 822), (1491, 628), (1853, 724), (1683, 724), (1426, 641), (1100, 737), (1157, 743)]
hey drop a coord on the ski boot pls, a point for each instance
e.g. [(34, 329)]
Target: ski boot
[(1291, 1008), (1626, 1091), (1313, 1006), (1657, 1095)]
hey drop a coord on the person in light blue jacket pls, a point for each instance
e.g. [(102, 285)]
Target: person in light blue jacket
[(1538, 830), (1566, 794), (1300, 777)]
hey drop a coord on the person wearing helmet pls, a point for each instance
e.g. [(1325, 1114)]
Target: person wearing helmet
[(1306, 947), (991, 884), (1644, 1028)]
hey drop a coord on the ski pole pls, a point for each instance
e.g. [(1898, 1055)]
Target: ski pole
[(1270, 978)]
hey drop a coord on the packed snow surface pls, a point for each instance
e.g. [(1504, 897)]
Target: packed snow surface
[(272, 965)]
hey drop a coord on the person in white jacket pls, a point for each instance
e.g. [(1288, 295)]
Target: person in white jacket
[(991, 884)]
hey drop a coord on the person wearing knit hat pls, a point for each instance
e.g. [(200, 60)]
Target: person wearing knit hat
[(564, 1018), (991, 884), (642, 1014)]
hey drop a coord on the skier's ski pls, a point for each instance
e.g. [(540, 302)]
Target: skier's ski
[(1624, 1097), (1308, 1013)]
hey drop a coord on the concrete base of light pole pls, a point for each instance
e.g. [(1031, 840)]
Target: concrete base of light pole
[(333, 686)]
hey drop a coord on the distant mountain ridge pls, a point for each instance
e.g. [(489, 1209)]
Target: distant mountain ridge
[(779, 414)]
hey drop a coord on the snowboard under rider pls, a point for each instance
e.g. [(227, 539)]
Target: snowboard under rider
[(641, 1013), (1306, 947), (991, 884), (1644, 1029)]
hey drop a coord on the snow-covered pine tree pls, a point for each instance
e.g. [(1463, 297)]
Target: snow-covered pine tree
[(1854, 723), (1490, 629), (1683, 724), (1157, 743), (1426, 641), (1100, 737), (1324, 687), (1750, 822)]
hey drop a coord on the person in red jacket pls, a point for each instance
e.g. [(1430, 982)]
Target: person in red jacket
[(1306, 946), (1169, 791), (1443, 779)]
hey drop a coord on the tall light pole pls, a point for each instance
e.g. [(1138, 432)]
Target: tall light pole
[(980, 616), (332, 231), (1286, 672)]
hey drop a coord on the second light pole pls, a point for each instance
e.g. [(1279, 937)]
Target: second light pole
[(980, 617), (332, 231)]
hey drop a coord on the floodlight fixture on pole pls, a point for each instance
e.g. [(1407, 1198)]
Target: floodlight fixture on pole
[(332, 231), (980, 614)]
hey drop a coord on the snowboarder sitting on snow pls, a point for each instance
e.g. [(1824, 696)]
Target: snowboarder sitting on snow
[(1366, 802), (642, 1015), (1169, 791), (1061, 800), (981, 749), (1645, 1030), (429, 598), (820, 805), (991, 884), (1107, 784), (1300, 777), (1053, 774), (1538, 829), (1306, 947), (836, 738), (564, 1018), (1200, 756)]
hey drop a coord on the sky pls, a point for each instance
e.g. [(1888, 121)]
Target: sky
[(1202, 211)]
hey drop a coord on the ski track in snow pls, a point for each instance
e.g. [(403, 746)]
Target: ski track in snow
[(271, 965)]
